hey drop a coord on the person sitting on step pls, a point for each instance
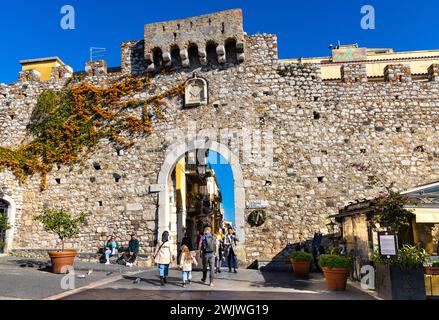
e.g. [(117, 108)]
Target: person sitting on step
[(111, 249), (130, 255)]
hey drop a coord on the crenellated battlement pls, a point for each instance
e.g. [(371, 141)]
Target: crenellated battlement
[(212, 38)]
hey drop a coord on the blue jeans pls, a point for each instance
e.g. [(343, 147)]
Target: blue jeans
[(164, 270), (108, 254), (187, 275), (232, 260)]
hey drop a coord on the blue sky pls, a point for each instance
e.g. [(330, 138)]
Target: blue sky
[(226, 183), (31, 29)]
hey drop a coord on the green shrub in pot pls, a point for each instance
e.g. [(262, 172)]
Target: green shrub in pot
[(409, 257), (336, 270), (331, 261), (301, 256)]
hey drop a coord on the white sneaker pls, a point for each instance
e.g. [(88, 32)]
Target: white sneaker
[(108, 262)]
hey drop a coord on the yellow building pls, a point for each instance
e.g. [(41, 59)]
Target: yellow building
[(180, 182), (374, 59), (43, 65)]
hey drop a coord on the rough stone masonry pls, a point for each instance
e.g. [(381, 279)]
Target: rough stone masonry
[(330, 138)]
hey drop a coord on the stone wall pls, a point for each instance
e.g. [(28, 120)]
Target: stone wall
[(133, 57), (330, 140), (217, 29), (353, 72)]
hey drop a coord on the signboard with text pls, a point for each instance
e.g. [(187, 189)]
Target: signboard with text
[(349, 54), (388, 244)]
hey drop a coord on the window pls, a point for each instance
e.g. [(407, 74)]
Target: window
[(157, 58), (212, 58), (194, 58), (316, 115), (231, 55), (175, 57)]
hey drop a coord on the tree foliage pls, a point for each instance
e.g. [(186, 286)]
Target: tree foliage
[(4, 224), (390, 209), (62, 223)]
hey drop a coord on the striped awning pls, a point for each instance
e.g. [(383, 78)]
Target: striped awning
[(426, 215)]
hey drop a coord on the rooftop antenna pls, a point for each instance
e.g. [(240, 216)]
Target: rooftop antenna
[(96, 52)]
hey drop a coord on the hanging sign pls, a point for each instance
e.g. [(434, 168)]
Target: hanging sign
[(349, 54)]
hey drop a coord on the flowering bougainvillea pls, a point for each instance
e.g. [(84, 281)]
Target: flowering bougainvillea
[(66, 125)]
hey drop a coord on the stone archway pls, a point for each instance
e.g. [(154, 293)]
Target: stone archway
[(174, 153), (11, 219)]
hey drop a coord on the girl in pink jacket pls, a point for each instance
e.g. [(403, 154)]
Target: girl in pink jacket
[(187, 259)]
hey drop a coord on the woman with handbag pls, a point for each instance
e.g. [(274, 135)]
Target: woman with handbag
[(163, 256)]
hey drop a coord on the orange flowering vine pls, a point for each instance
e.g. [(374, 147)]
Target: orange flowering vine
[(67, 125)]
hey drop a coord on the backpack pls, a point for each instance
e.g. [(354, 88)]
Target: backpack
[(208, 245)]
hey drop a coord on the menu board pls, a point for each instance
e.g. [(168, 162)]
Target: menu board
[(387, 244)]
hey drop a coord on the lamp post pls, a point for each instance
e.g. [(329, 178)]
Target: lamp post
[(331, 228), (201, 170)]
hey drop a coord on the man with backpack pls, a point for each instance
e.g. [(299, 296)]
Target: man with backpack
[(207, 248)]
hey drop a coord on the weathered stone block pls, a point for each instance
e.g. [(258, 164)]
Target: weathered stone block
[(397, 73), (62, 72), (29, 76), (352, 73), (433, 72), (96, 68)]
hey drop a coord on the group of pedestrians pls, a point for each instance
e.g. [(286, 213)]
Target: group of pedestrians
[(212, 249)]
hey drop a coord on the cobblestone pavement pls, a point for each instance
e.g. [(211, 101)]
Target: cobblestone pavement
[(246, 285)]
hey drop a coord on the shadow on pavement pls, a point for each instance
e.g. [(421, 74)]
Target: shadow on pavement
[(172, 281), (44, 266), (287, 280)]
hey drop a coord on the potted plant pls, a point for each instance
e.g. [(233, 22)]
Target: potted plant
[(336, 270), (65, 226), (402, 277), (432, 270), (301, 262)]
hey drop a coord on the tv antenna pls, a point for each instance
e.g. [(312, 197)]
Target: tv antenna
[(96, 52), (332, 47)]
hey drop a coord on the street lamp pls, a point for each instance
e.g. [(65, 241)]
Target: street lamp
[(331, 228), (201, 170)]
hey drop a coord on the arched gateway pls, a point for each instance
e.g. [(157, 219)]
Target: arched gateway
[(176, 152)]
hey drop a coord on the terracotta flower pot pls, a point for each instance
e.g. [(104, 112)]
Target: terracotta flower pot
[(60, 259), (301, 268), (336, 278)]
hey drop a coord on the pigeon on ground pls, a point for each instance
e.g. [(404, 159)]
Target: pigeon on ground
[(136, 281)]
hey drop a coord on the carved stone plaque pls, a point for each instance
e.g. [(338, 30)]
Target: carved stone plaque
[(196, 92)]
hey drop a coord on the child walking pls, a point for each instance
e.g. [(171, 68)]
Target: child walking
[(187, 259)]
